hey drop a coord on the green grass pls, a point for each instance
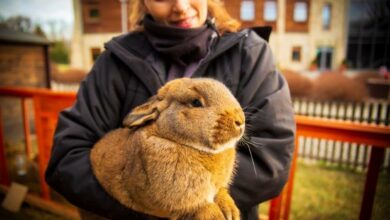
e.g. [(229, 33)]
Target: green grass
[(324, 192)]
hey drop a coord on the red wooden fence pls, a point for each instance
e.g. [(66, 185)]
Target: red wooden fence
[(47, 105)]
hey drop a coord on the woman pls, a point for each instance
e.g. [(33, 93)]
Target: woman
[(176, 38)]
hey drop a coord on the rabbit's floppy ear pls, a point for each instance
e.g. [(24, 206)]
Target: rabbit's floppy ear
[(144, 113)]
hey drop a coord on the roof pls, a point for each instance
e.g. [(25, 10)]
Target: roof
[(11, 36)]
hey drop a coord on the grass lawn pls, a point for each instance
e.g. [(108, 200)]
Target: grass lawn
[(324, 192)]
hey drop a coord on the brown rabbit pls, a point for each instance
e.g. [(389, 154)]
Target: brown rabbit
[(175, 157)]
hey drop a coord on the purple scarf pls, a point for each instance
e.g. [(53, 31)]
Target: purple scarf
[(178, 45)]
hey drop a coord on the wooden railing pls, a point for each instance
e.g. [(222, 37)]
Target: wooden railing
[(371, 135), (344, 154), (48, 104)]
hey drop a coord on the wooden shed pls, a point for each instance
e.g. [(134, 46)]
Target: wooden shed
[(24, 59)]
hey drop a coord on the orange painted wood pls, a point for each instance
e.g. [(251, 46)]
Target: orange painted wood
[(30, 92), (378, 136), (344, 131), (290, 183), (47, 108), (26, 128), (374, 167), (47, 105), (4, 176), (275, 209)]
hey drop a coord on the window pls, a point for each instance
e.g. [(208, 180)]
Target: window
[(247, 10), (92, 13), (300, 11), (95, 52), (270, 11), (324, 57), (368, 45), (326, 16), (296, 54)]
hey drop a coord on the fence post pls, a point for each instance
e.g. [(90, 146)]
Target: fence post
[(39, 120), (26, 128), (290, 183), (376, 159), (4, 177), (276, 207)]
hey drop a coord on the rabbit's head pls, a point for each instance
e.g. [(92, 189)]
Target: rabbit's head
[(199, 113)]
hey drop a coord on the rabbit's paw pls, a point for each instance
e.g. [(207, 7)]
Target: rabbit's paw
[(227, 205), (210, 211)]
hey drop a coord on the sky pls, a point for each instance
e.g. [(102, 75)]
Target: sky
[(58, 13)]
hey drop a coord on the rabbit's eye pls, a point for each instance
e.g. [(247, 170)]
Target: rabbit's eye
[(196, 103)]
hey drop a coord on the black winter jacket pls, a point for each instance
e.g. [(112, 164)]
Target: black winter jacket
[(121, 79)]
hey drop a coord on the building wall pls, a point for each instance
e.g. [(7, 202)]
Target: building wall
[(291, 25), (22, 65), (336, 36), (234, 7), (109, 19), (286, 35), (282, 49), (91, 42), (86, 37)]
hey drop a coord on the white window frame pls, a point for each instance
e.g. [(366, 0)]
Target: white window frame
[(326, 11), (247, 10), (300, 12), (269, 7)]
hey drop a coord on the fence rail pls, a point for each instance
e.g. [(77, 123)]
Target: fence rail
[(344, 154), (368, 135)]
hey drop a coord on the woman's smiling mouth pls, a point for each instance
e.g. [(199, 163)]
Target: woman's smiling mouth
[(184, 23)]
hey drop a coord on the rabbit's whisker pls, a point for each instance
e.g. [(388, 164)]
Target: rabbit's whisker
[(249, 108), (254, 142), (251, 142), (250, 112), (251, 155), (248, 126)]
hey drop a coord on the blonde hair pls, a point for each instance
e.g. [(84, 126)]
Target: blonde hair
[(223, 21)]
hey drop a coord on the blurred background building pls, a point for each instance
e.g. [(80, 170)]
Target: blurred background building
[(307, 34), (24, 59)]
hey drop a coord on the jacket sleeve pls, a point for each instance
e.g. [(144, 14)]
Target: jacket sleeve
[(95, 112), (264, 161)]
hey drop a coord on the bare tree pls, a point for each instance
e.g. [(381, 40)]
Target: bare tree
[(18, 23), (38, 31)]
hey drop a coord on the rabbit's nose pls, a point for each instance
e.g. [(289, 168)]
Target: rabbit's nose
[(238, 118), (240, 125)]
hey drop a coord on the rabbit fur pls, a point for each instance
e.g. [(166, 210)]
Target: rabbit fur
[(175, 156)]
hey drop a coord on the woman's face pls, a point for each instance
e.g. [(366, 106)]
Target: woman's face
[(179, 13)]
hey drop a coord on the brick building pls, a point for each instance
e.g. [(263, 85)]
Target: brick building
[(24, 59), (304, 31)]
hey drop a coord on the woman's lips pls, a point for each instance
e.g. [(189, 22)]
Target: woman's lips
[(184, 23)]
